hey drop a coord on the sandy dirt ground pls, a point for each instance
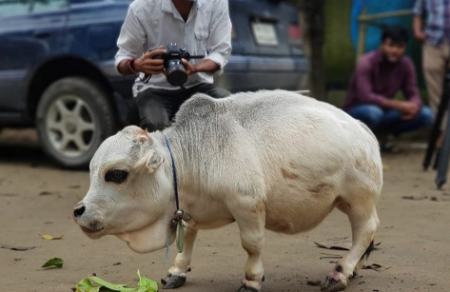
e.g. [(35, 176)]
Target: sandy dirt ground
[(36, 197)]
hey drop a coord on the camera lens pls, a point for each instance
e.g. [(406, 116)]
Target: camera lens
[(176, 74)]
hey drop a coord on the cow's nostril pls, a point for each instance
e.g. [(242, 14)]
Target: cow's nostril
[(79, 211)]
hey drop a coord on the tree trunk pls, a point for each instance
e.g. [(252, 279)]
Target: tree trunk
[(312, 17)]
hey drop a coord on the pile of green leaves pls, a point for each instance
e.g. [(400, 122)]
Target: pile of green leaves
[(96, 284)]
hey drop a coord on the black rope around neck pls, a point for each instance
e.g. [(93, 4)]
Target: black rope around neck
[(180, 215), (174, 173)]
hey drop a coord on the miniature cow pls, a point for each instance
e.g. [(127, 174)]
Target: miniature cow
[(266, 159)]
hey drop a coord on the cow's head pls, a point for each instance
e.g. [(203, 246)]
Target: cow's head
[(130, 192)]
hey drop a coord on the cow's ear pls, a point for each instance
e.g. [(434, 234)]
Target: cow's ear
[(150, 161), (144, 137)]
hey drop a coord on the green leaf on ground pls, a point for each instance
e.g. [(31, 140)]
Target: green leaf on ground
[(54, 263), (96, 284), (85, 285), (146, 284), (105, 284)]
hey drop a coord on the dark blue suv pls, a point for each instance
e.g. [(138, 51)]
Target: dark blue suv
[(57, 72)]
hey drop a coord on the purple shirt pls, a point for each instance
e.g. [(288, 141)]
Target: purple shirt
[(376, 79)]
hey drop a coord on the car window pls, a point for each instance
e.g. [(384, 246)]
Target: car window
[(47, 5), (14, 7)]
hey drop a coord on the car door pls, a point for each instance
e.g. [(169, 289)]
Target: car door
[(30, 31), (94, 26)]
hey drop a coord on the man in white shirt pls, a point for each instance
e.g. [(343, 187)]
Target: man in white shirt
[(202, 27)]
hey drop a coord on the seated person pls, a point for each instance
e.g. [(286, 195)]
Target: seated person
[(378, 77)]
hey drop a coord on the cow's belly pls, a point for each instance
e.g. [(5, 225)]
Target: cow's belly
[(207, 213), (292, 212)]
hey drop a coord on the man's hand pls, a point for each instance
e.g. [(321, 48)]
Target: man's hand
[(409, 109), (205, 65), (190, 68), (149, 63), (419, 35)]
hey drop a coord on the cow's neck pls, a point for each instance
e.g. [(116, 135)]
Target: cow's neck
[(196, 171), (185, 164), (180, 213), (175, 163)]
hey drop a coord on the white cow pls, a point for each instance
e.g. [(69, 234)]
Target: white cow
[(267, 159)]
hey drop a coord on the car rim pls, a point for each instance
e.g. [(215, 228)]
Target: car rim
[(70, 125)]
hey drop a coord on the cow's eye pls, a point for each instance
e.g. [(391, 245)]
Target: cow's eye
[(117, 176)]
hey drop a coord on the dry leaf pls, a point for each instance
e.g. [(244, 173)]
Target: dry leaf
[(17, 248), (333, 247), (51, 237), (313, 282), (375, 267), (414, 198)]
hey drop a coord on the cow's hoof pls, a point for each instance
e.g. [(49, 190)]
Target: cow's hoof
[(336, 281), (173, 281), (244, 288)]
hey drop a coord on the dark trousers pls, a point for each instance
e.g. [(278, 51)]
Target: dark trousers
[(157, 107)]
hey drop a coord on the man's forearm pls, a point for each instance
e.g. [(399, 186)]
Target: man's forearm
[(418, 27), (126, 67), (207, 66), (392, 104)]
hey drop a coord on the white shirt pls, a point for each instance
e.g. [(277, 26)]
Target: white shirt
[(150, 24)]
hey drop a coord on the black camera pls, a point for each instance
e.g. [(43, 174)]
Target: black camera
[(175, 71)]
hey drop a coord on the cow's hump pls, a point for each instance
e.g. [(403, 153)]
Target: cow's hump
[(199, 105)]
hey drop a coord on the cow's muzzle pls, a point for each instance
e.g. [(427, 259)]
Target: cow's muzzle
[(93, 227), (79, 210), (88, 223)]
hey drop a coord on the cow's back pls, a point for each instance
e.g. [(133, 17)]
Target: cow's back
[(285, 126)]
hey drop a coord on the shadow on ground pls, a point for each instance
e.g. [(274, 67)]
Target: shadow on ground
[(22, 147)]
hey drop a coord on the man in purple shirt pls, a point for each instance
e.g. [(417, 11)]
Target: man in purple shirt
[(378, 77)]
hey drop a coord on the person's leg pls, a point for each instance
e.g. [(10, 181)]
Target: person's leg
[(153, 110), (434, 65), (179, 96), (211, 90), (369, 114), (393, 120), (133, 112)]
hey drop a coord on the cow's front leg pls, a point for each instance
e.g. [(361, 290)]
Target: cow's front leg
[(251, 222), (177, 273)]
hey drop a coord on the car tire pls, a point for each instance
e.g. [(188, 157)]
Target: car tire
[(73, 117)]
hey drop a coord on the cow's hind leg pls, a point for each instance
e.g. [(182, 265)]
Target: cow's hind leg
[(364, 221), (177, 273)]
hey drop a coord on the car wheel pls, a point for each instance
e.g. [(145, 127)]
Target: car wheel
[(73, 118)]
